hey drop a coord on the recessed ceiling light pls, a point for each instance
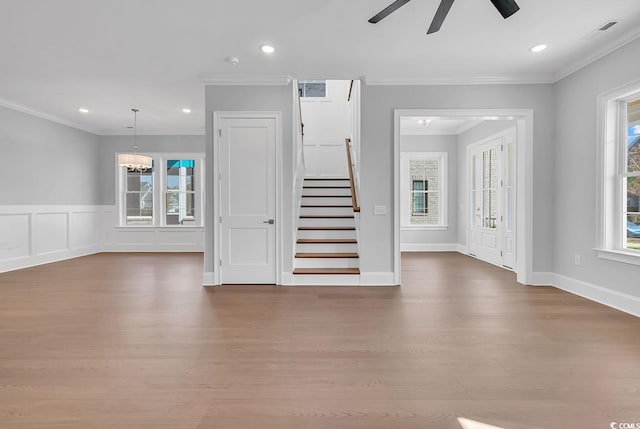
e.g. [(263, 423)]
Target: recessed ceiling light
[(83, 110), (424, 122), (267, 49), (539, 48), (186, 110)]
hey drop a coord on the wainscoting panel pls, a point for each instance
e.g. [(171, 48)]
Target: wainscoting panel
[(34, 235), (51, 232), (149, 239), (84, 228), (15, 241)]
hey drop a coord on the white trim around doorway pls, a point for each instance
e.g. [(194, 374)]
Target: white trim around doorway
[(217, 117), (524, 180)]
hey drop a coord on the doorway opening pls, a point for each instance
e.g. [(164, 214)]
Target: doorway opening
[(462, 181)]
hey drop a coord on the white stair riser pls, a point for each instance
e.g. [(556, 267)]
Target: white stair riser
[(326, 222), (326, 210), (327, 263), (325, 200), (326, 280), (326, 191), (327, 248), (326, 234), (326, 183)]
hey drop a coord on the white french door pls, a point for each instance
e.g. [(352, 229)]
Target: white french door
[(492, 200), (247, 164)]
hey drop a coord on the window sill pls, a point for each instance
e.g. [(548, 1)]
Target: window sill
[(624, 256), (424, 228)]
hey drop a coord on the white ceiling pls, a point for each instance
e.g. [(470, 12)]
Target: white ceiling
[(112, 55)]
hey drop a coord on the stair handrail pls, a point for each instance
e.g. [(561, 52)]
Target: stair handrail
[(352, 182)]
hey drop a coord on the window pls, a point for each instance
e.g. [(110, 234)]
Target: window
[(619, 157), (312, 88), (631, 174), (423, 196), (168, 194), (419, 200), (180, 194), (139, 197)]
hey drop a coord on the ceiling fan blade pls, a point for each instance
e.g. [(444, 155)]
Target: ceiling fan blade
[(388, 10), (506, 7), (441, 14)]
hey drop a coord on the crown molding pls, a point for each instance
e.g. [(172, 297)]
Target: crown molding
[(221, 80), (46, 116), (480, 80), (616, 44)]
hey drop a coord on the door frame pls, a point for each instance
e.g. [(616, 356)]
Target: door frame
[(524, 180), (218, 116), (470, 149)]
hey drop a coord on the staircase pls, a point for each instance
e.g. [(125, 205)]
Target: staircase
[(327, 243)]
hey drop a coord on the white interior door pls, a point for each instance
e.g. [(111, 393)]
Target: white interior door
[(492, 200), (486, 227), (248, 200)]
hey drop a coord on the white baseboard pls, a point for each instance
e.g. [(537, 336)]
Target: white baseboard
[(286, 279), (462, 249), (428, 247), (32, 261), (542, 279), (208, 279), (377, 279), (618, 300), (324, 280)]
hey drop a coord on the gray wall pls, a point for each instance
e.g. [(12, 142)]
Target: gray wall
[(253, 98), (45, 163), (446, 144), (575, 170), (376, 171), (110, 145), (469, 137)]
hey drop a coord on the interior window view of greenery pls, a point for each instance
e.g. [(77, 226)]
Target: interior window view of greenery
[(633, 175)]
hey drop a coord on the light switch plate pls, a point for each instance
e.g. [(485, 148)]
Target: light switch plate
[(380, 210)]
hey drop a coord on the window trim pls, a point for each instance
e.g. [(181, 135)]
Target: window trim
[(159, 191), (405, 186), (610, 225)]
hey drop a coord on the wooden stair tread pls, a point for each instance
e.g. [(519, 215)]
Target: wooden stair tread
[(326, 187), (327, 255), (329, 271), (331, 206), (325, 178), (327, 228), (326, 196), (326, 216), (327, 241)]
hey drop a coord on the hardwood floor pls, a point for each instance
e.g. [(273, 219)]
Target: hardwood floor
[(134, 341)]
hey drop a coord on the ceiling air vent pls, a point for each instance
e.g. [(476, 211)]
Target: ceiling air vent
[(607, 26)]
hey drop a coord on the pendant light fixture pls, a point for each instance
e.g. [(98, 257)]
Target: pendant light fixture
[(135, 161)]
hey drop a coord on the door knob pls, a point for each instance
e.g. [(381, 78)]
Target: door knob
[(270, 221)]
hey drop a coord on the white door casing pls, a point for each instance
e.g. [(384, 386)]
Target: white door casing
[(247, 165), (523, 161)]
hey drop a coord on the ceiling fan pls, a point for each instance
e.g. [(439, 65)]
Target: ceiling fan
[(505, 7)]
